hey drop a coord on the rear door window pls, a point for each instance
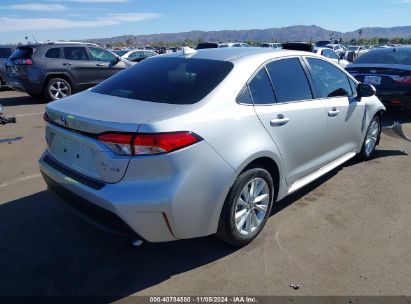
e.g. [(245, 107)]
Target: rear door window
[(329, 80), (53, 53), (289, 80), (171, 80), (261, 88), (75, 53)]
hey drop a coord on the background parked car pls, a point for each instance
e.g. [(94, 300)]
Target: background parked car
[(121, 52), (273, 45), (56, 70), (389, 71), (5, 52), (233, 44), (326, 52), (138, 55), (338, 48), (354, 51), (207, 45)]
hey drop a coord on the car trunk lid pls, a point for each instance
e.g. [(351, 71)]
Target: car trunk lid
[(76, 122), (381, 74)]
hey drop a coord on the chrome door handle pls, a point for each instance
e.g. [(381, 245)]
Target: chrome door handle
[(333, 112), (100, 64), (279, 121), (66, 63)]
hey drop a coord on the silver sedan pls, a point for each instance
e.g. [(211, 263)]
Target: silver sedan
[(204, 142)]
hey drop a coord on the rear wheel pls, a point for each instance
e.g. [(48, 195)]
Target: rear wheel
[(371, 138), (247, 207), (57, 88)]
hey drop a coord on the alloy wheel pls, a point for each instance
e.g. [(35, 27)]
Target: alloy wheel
[(251, 206)]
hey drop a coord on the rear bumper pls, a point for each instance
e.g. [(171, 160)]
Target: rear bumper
[(95, 205), (23, 85), (100, 217), (161, 198), (395, 99)]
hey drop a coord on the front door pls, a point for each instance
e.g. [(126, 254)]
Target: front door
[(345, 113)]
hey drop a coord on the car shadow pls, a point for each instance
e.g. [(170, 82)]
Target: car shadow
[(396, 115), (289, 200), (19, 101), (45, 250)]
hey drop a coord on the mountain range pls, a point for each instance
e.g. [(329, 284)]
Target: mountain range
[(291, 33)]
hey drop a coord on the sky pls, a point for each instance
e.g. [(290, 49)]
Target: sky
[(81, 19)]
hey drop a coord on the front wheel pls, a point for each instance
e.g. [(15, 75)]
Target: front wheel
[(246, 208), (57, 88), (371, 138)]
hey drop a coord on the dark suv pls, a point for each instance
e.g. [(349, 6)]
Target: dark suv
[(58, 69), (5, 52)]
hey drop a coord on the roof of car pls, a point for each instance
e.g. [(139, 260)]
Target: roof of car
[(72, 43), (229, 54)]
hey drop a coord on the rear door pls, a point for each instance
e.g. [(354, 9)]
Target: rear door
[(295, 121), (104, 63), (76, 62), (344, 113)]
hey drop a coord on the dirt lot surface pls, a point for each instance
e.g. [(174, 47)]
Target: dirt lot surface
[(347, 234)]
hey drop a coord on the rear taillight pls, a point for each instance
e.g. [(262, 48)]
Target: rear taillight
[(117, 142), (405, 79), (27, 61), (148, 144)]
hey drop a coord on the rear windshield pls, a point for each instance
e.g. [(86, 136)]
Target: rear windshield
[(167, 80), (22, 53), (386, 56), (5, 52)]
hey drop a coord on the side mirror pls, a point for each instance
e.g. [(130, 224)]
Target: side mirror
[(365, 90)]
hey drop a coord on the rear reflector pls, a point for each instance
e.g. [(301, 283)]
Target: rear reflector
[(148, 144)]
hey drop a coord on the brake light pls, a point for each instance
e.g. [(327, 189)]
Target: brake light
[(27, 61), (405, 79), (117, 142), (148, 144)]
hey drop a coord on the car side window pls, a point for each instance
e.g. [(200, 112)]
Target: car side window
[(289, 80), (53, 53), (75, 53), (136, 55), (330, 54), (329, 80), (98, 54), (261, 89), (245, 97)]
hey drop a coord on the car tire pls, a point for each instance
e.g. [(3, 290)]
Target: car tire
[(371, 139), (56, 88), (247, 207)]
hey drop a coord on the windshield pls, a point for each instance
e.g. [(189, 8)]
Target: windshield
[(387, 56), (167, 80)]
